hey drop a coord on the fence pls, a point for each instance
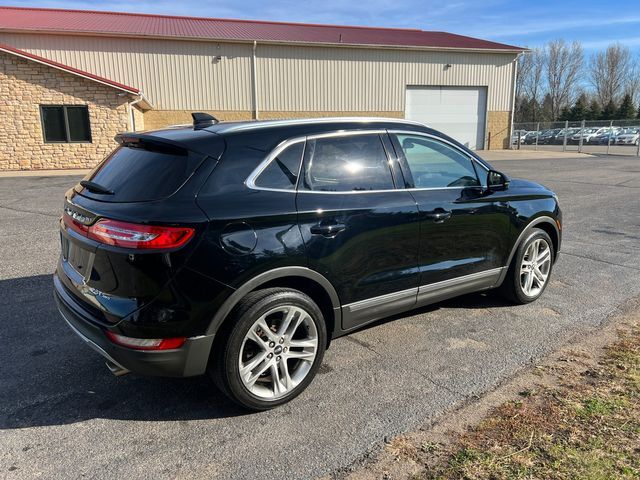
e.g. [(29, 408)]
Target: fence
[(610, 137)]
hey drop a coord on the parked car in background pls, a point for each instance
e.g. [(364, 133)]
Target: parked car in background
[(587, 134), (628, 136), (240, 249), (605, 136), (547, 137), (558, 138), (518, 135), (530, 138)]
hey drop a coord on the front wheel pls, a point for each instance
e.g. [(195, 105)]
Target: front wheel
[(530, 269), (272, 349)]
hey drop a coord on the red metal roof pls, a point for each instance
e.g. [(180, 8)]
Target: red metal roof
[(136, 24), (67, 68)]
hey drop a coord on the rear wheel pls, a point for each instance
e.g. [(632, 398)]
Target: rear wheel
[(272, 350), (530, 268)]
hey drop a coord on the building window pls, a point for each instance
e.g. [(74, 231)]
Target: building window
[(65, 123)]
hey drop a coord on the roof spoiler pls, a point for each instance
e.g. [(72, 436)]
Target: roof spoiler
[(202, 120)]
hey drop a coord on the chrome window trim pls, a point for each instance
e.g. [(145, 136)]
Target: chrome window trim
[(472, 158), (250, 182), (251, 179)]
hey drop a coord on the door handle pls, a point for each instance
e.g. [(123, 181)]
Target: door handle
[(438, 215), (328, 230)]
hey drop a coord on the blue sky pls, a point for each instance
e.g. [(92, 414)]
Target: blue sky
[(595, 23)]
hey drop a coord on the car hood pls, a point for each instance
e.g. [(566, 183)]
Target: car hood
[(523, 184)]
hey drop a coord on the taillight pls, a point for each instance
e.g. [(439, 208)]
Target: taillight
[(132, 235), (146, 343)]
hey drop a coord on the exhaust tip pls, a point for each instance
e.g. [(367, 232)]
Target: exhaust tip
[(116, 369)]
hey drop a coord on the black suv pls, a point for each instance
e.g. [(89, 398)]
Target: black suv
[(241, 249)]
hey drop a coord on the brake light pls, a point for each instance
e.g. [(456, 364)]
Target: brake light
[(146, 343), (132, 235)]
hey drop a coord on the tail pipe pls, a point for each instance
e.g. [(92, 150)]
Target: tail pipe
[(116, 369)]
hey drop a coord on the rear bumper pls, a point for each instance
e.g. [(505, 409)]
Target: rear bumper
[(189, 360)]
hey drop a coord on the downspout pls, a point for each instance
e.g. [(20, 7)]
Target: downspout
[(513, 96), (132, 118), (254, 81)]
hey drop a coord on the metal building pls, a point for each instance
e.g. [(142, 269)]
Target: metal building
[(238, 69)]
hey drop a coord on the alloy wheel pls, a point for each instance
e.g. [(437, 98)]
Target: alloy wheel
[(535, 267), (278, 352)]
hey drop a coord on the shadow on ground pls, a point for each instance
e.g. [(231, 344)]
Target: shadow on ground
[(50, 377)]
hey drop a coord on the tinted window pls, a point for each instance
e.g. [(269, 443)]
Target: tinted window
[(434, 164), (78, 121), (65, 123), (142, 174), (342, 164), (282, 172), (53, 124)]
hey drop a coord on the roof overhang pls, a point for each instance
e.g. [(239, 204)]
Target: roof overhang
[(512, 51), (143, 102)]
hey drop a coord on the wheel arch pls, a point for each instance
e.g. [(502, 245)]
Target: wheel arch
[(299, 278), (543, 222)]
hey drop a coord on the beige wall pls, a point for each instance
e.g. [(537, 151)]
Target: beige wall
[(498, 126), (24, 86), (185, 75)]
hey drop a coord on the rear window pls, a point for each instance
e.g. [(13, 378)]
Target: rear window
[(136, 174)]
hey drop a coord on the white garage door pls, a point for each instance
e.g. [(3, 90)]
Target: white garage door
[(457, 111)]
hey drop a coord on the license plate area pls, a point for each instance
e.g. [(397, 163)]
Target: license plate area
[(78, 258)]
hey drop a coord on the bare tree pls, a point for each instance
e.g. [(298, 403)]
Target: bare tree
[(609, 72), (529, 83), (632, 85), (530, 71), (564, 68)]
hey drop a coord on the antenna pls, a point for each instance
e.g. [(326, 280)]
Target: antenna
[(202, 120)]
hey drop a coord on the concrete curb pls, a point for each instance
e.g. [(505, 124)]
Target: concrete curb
[(45, 173)]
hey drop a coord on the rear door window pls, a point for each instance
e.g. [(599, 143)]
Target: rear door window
[(138, 174), (346, 163)]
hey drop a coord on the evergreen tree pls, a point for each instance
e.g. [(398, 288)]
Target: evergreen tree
[(580, 110), (595, 110), (565, 113), (609, 111), (638, 116), (626, 109)]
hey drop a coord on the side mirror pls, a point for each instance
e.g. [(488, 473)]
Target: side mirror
[(497, 180)]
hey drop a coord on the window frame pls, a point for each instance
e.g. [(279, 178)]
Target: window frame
[(250, 182), (66, 123), (381, 133), (476, 163)]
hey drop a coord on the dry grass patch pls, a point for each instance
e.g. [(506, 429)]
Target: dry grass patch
[(586, 427)]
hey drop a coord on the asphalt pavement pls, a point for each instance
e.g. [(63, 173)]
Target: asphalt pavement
[(63, 415)]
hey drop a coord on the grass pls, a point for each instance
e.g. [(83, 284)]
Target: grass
[(585, 427)]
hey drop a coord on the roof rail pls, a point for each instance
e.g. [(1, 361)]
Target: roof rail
[(202, 120)]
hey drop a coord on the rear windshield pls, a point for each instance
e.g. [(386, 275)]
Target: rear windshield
[(137, 174)]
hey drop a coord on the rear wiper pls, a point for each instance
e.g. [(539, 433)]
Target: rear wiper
[(95, 187)]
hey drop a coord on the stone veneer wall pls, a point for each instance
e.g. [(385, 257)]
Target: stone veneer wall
[(24, 86), (498, 125)]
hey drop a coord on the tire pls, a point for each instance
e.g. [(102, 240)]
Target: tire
[(261, 368), (522, 270)]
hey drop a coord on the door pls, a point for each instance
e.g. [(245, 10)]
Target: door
[(360, 232), (463, 230), (459, 112)]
